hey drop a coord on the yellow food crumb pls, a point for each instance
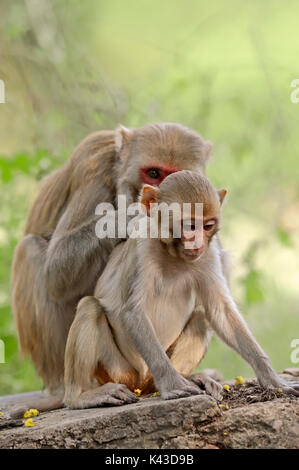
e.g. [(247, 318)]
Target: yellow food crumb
[(1, 414), (31, 413), (226, 387), (223, 406), (29, 423), (137, 392), (225, 433), (240, 380), (279, 390), (156, 394)]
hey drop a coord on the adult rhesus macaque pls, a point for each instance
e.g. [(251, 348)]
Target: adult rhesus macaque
[(149, 322), (60, 258)]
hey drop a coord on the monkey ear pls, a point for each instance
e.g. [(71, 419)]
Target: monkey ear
[(208, 147), (221, 194), (149, 195), (122, 136)]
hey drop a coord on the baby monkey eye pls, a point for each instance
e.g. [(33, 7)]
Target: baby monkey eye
[(209, 225), (154, 173), (190, 226)]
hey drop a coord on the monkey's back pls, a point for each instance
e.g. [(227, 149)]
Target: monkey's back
[(93, 159)]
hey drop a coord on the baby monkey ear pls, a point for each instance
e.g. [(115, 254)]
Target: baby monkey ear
[(221, 194), (149, 195), (122, 136), (208, 148)]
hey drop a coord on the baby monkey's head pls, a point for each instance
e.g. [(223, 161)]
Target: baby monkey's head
[(187, 208)]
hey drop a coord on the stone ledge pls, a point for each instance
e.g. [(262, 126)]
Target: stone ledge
[(150, 423), (195, 422)]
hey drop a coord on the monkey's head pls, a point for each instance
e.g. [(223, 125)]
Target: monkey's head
[(195, 207), (149, 154)]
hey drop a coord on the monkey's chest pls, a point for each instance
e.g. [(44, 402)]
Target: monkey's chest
[(169, 313)]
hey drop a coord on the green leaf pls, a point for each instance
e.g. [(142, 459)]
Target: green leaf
[(284, 237), (254, 292)]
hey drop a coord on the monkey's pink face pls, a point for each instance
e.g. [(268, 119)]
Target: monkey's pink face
[(196, 236), (155, 174)]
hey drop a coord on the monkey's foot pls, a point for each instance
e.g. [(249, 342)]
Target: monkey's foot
[(210, 385), (107, 394), (184, 388), (291, 387)]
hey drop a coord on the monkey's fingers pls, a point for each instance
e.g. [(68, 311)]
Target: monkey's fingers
[(210, 385), (175, 394), (98, 401), (291, 390), (107, 394), (109, 400), (291, 387), (126, 396), (187, 391), (293, 383), (121, 392), (118, 394), (17, 411), (189, 387)]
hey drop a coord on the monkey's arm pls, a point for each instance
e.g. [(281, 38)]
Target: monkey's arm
[(168, 381), (76, 256), (225, 319)]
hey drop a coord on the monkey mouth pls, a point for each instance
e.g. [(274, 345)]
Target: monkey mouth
[(191, 255)]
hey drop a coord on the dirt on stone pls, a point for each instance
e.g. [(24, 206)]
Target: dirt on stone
[(250, 392)]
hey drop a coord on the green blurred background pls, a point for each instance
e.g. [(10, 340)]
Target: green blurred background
[(223, 68)]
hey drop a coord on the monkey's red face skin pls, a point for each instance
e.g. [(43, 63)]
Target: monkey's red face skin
[(155, 174)]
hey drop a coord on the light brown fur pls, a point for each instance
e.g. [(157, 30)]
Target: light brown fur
[(160, 319), (60, 258)]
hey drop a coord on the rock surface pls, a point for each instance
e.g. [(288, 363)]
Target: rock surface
[(195, 422)]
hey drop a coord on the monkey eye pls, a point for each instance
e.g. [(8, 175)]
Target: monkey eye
[(191, 225), (209, 225), (154, 173)]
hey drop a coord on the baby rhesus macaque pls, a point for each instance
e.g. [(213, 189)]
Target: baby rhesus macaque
[(155, 305)]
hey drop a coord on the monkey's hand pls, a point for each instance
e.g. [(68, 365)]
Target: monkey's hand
[(274, 382), (179, 387), (210, 385)]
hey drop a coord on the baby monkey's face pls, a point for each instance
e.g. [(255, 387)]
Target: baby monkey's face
[(196, 235), (193, 214)]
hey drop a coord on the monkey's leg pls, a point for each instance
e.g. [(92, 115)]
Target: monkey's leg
[(42, 324), (140, 331), (189, 349), (91, 351), (43, 403)]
